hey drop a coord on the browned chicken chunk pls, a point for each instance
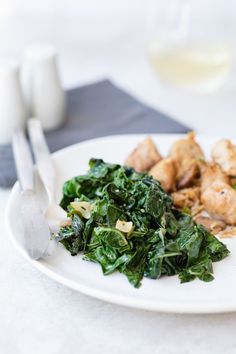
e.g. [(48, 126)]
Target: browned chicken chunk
[(224, 153), (211, 172), (144, 156), (187, 197), (229, 231), (165, 172), (186, 153), (187, 178), (219, 200), (214, 226)]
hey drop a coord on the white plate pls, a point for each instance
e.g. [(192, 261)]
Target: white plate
[(165, 294)]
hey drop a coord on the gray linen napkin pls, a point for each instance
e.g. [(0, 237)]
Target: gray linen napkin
[(95, 110)]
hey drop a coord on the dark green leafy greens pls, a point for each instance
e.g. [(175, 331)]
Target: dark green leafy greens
[(163, 241)]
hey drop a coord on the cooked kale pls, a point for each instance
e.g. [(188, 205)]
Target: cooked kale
[(162, 241)]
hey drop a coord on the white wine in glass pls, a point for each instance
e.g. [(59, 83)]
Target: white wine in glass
[(182, 56)]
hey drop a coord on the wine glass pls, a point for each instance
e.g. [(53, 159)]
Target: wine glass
[(190, 42)]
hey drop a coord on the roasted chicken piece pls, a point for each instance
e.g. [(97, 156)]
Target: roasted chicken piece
[(165, 172), (186, 154), (211, 172), (187, 178), (144, 156), (214, 226), (230, 231), (224, 153), (218, 197), (219, 200), (187, 197)]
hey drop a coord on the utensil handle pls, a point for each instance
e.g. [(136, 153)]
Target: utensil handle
[(42, 155), (23, 160)]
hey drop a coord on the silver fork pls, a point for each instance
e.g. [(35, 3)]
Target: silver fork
[(36, 233)]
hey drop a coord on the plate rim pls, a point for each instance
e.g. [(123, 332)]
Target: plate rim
[(131, 302)]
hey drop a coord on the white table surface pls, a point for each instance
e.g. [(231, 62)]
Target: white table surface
[(39, 316)]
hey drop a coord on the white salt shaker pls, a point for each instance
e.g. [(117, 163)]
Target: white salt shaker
[(12, 106), (41, 85)]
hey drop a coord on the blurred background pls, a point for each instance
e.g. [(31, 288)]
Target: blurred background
[(153, 49)]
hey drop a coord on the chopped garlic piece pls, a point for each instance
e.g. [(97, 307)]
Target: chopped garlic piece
[(124, 226), (83, 208)]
